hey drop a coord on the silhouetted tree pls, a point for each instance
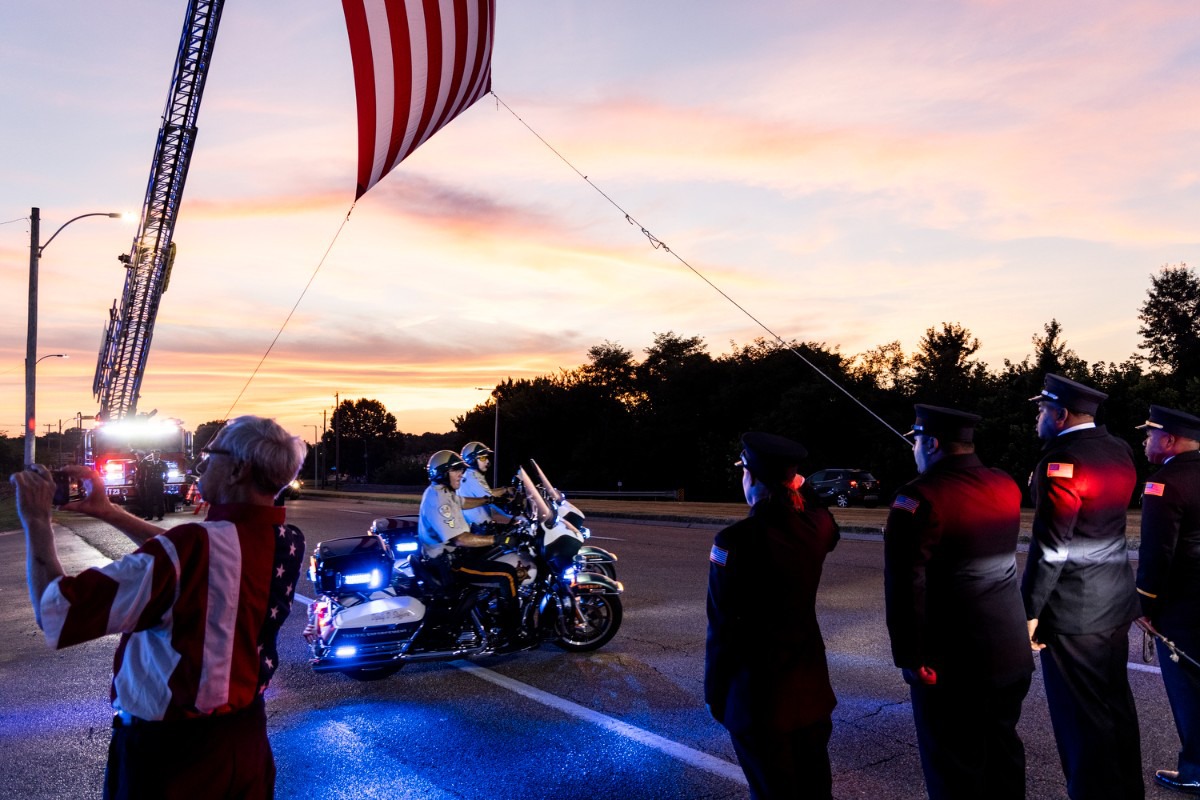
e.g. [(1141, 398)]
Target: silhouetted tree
[(1170, 327)]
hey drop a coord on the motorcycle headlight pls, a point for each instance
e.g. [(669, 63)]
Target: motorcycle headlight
[(569, 574)]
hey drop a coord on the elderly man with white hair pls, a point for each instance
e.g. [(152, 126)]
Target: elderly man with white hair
[(198, 607)]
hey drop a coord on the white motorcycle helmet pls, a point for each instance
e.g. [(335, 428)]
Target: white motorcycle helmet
[(441, 463), (472, 451)]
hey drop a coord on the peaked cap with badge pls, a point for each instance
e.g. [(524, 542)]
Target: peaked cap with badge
[(1173, 421), (1071, 395), (770, 457), (944, 423)]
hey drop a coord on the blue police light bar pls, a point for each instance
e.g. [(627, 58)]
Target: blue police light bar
[(370, 579), (345, 652), (406, 547)]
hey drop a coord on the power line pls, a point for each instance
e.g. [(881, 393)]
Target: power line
[(659, 244)]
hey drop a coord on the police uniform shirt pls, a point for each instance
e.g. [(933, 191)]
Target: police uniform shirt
[(1077, 578), (440, 520), (1168, 577), (475, 484), (950, 575)]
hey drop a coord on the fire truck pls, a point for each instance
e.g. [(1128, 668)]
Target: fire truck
[(115, 449), (123, 437)]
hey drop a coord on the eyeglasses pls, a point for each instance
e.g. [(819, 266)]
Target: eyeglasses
[(202, 462)]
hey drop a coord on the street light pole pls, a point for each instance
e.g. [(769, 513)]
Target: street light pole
[(495, 438), (316, 452), (35, 252)]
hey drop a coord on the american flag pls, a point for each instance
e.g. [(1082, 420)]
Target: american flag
[(904, 503), (417, 65), (718, 555), (1055, 470), (1155, 489)]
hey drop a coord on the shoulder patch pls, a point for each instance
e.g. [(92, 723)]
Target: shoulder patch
[(904, 503), (1155, 489), (1057, 470), (718, 555)]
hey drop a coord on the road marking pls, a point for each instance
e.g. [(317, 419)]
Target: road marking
[(1144, 668), (683, 753)]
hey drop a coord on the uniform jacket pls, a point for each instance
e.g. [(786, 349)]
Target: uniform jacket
[(1077, 577), (765, 660), (1168, 576), (950, 575)]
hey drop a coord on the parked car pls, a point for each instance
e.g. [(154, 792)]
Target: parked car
[(845, 487)]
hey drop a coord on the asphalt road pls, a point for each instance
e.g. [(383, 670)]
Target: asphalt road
[(625, 722)]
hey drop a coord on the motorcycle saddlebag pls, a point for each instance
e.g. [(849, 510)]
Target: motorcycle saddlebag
[(353, 564)]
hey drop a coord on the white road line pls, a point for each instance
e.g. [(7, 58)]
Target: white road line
[(683, 753), (1144, 668)]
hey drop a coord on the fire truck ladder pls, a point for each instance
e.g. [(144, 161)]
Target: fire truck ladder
[(126, 344)]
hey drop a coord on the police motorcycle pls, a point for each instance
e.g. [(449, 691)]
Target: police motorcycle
[(380, 604)]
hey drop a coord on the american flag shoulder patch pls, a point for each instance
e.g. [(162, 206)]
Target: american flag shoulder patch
[(718, 555), (1155, 489), (905, 503), (1057, 470)]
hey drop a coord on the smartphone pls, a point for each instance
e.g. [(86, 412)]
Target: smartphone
[(66, 488)]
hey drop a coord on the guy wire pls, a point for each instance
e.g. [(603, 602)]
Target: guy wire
[(658, 244), (296, 305)]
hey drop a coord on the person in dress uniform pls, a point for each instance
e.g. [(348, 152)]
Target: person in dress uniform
[(1168, 576), (954, 611), (1079, 592), (765, 675)]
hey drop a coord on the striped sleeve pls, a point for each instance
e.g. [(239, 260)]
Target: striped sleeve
[(129, 594)]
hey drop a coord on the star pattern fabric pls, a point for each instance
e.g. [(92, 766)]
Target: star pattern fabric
[(289, 553)]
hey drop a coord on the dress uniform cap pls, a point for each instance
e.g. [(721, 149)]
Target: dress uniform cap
[(944, 423), (770, 457), (1173, 421), (1071, 395)]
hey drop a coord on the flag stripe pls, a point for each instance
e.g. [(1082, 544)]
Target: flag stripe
[(364, 86), (417, 65)]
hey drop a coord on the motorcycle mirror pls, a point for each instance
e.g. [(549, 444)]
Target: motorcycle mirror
[(555, 493)]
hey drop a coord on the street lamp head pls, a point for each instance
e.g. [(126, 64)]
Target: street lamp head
[(51, 355)]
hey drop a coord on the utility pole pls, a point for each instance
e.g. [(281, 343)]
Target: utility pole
[(337, 443)]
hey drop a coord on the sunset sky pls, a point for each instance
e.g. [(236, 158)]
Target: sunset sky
[(851, 173)]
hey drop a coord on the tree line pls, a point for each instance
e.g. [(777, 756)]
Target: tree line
[(672, 419)]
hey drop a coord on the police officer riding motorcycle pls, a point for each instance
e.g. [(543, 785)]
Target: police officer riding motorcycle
[(431, 588)]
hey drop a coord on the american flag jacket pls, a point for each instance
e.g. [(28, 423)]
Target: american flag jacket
[(198, 607)]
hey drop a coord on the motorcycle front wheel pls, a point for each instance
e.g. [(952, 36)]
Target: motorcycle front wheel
[(601, 618)]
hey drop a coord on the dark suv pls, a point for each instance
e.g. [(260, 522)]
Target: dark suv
[(843, 487)]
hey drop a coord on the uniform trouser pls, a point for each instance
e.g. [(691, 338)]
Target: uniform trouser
[(786, 766), (968, 740), (1182, 681), (1092, 712), (484, 572), (226, 756)]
